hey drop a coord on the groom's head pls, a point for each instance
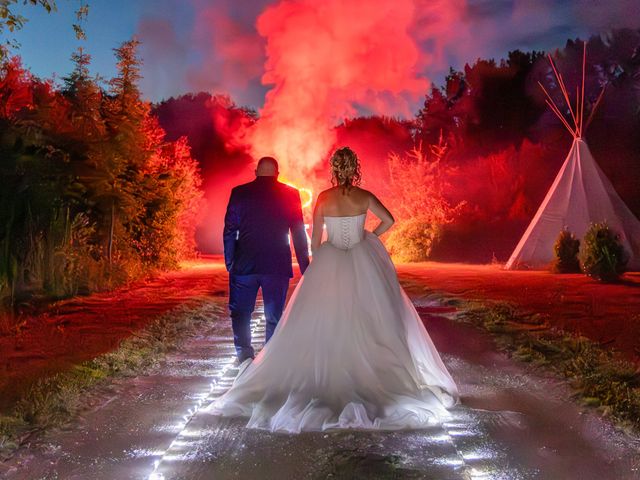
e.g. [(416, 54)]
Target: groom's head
[(267, 167)]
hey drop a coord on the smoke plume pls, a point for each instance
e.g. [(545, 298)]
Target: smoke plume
[(327, 61)]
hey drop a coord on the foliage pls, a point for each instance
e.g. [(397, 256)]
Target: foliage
[(412, 240), (212, 127), (9, 20), (566, 250), (174, 177), (484, 115), (484, 107), (92, 193), (416, 196), (602, 256)]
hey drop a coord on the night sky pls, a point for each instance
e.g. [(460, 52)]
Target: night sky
[(192, 45)]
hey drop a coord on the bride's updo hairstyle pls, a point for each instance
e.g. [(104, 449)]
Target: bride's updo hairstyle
[(345, 169)]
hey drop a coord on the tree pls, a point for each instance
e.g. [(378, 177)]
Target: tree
[(9, 20), (157, 183), (125, 118), (485, 108), (173, 178), (417, 197), (93, 194)]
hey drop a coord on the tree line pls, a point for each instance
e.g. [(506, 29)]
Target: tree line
[(92, 195), (465, 176)]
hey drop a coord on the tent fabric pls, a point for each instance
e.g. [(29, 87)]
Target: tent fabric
[(581, 194)]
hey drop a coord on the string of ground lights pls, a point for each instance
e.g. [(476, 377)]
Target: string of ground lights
[(220, 382)]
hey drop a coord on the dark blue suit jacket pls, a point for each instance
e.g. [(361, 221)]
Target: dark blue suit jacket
[(259, 217)]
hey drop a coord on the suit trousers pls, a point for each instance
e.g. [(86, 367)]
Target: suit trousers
[(243, 291)]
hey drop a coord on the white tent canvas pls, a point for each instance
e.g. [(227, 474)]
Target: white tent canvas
[(580, 195)]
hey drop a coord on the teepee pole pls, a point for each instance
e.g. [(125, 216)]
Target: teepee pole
[(563, 88), (561, 117), (584, 68), (595, 107), (578, 112), (556, 110)]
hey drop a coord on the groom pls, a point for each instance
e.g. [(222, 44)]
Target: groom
[(257, 251)]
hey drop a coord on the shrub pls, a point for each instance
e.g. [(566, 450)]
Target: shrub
[(566, 249), (416, 197), (413, 240), (602, 255)]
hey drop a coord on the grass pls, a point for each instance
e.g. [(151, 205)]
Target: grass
[(598, 376), (54, 400)]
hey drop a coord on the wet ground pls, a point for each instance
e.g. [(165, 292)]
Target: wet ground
[(513, 423)]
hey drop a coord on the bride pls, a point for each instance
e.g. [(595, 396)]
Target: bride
[(350, 350)]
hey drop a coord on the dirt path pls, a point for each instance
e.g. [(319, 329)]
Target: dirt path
[(514, 423)]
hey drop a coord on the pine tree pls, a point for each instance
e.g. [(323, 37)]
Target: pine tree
[(126, 113)]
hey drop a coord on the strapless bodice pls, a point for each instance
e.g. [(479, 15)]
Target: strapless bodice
[(345, 232)]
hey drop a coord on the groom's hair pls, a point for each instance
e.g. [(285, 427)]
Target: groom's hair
[(267, 166)]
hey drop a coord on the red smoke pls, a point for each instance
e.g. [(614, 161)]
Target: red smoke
[(326, 61)]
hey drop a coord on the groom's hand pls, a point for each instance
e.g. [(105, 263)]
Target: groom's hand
[(230, 232), (299, 232)]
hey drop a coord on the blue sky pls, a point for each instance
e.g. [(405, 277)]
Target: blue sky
[(47, 40), (181, 54)]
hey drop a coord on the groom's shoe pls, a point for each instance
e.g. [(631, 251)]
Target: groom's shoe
[(244, 365), (239, 361)]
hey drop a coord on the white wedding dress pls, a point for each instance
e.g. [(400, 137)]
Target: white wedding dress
[(349, 352)]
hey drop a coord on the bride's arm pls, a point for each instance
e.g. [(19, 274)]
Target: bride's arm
[(318, 224), (380, 211)]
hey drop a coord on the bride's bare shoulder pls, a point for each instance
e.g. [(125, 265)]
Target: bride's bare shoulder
[(362, 193), (354, 197), (324, 194), (354, 193)]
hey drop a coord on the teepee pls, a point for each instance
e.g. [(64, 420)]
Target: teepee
[(581, 194)]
